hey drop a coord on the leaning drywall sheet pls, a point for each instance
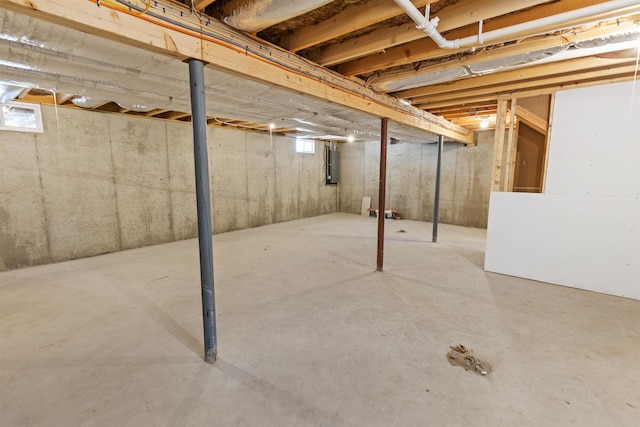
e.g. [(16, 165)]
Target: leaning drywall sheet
[(583, 242), (595, 142), (584, 231)]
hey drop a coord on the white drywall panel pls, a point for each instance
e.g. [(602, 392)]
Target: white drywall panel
[(584, 242), (584, 232), (595, 141)]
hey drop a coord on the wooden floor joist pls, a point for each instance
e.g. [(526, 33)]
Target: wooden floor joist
[(149, 32)]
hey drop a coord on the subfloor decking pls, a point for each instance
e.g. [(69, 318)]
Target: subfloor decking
[(310, 335)]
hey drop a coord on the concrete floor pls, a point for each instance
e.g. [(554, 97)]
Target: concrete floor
[(310, 335)]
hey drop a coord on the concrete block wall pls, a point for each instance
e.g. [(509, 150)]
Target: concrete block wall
[(411, 171), (94, 183)]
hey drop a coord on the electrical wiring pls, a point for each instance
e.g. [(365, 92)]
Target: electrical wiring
[(131, 8), (233, 40)]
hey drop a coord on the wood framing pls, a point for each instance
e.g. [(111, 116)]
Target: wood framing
[(531, 119), (525, 47), (201, 4), (509, 164), (539, 75), (423, 49), (355, 17), (547, 142), (232, 52), (498, 146), (461, 14)]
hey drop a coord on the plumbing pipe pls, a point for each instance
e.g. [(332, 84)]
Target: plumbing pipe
[(430, 27)]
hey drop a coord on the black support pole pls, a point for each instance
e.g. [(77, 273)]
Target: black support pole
[(436, 202), (382, 184), (199, 120)]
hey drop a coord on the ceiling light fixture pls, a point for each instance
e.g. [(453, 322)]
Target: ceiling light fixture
[(484, 124)]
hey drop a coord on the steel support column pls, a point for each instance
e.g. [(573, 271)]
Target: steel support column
[(436, 201), (199, 121), (382, 185)]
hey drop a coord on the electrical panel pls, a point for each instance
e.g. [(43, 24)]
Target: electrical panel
[(333, 166)]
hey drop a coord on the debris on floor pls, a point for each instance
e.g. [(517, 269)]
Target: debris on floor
[(401, 231), (388, 214), (463, 356)]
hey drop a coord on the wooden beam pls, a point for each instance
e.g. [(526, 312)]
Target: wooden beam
[(201, 4), (461, 115), (352, 18), (24, 92), (540, 75), (174, 115), (545, 86), (61, 98), (475, 125), (39, 99), (232, 52), (527, 92), (219, 57), (460, 14), (498, 146), (546, 145), (155, 112), (507, 183), (453, 101), (564, 39), (424, 49), (464, 107), (531, 119)]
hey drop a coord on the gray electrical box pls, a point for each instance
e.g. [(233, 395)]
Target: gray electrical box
[(333, 167)]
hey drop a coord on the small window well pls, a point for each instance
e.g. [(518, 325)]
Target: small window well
[(21, 117), (305, 146)]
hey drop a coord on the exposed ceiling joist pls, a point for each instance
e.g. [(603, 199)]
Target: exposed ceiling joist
[(460, 14), (457, 85), (425, 49), (515, 79), (468, 108), (526, 47), (352, 18), (61, 98), (201, 4), (231, 52), (524, 89), (454, 101)]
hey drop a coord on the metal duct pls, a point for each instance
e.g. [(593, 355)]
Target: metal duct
[(393, 82), (252, 16)]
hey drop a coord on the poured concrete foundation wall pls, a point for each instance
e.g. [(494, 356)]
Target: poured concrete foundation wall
[(411, 172), (94, 183)]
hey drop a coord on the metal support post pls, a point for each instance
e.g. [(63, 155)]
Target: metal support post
[(436, 202), (382, 183), (199, 121)]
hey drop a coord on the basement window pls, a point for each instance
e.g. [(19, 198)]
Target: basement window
[(305, 146), (21, 117)]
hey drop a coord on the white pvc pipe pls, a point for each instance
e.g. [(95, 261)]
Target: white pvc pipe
[(429, 27)]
